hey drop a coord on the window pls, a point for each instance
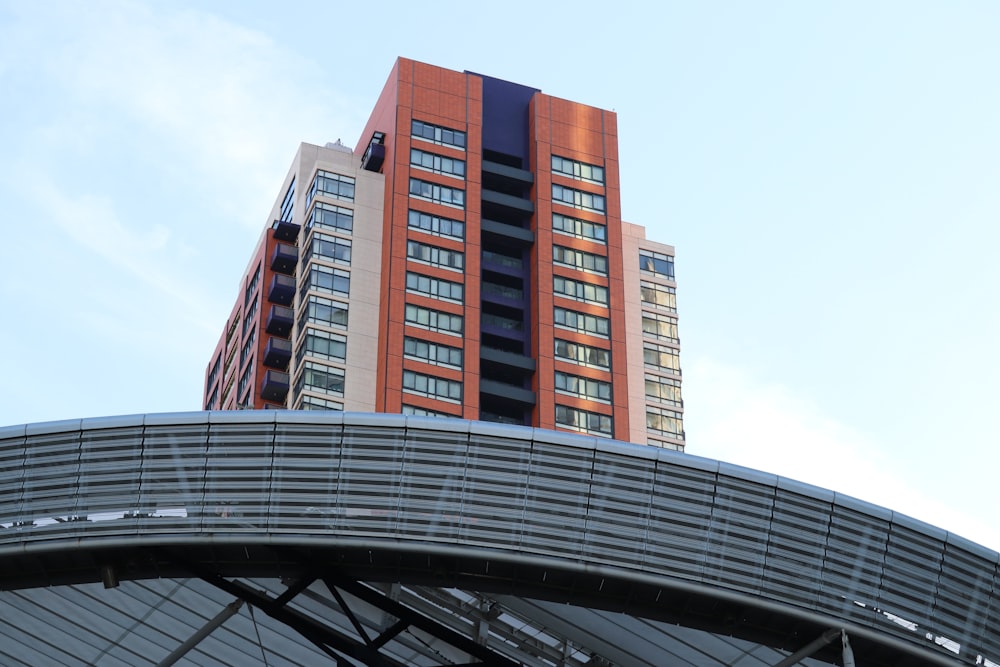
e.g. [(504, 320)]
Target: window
[(435, 320), (583, 387), (584, 421), (658, 356), (210, 404), (438, 194), (322, 378), (660, 326), (248, 317), (422, 412), (438, 134), (583, 354), (434, 387), (308, 402), (579, 228), (329, 248), (335, 218), (322, 344), (248, 346), (662, 296), (326, 279), (578, 198), (244, 379), (576, 289), (578, 259), (332, 185), (324, 311), (657, 263), (437, 163), (578, 170), (435, 287), (288, 203), (433, 224), (663, 389), (448, 259), (214, 374), (582, 322), (665, 421), (252, 286), (432, 353)]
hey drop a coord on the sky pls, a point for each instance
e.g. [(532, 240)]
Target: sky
[(827, 171)]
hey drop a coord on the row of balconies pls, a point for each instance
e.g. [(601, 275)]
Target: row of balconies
[(280, 318)]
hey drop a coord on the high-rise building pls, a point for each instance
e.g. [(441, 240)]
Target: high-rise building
[(466, 259)]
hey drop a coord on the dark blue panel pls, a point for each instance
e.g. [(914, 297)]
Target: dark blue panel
[(505, 117)]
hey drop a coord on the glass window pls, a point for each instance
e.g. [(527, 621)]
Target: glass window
[(583, 354), (448, 259), (324, 311), (329, 184), (439, 194), (578, 259), (248, 317), (326, 279), (582, 322), (309, 402), (335, 218), (288, 203), (663, 389), (435, 287), (439, 164), (436, 225), (248, 346), (438, 134), (658, 356), (323, 344), (579, 228), (657, 263), (330, 248), (322, 378), (245, 379), (432, 353), (584, 421), (662, 296), (434, 387), (664, 421), (583, 387), (435, 320), (252, 285), (579, 290), (577, 169), (660, 326), (423, 412), (578, 198)]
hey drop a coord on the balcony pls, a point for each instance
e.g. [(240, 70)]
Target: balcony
[(284, 259), (274, 388), (501, 199), (375, 153), (507, 392), (279, 321), (277, 353), (283, 230), (517, 235), (282, 290)]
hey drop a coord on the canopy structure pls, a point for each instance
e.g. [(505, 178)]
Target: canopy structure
[(309, 538)]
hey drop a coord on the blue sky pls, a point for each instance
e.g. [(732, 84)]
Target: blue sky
[(827, 172)]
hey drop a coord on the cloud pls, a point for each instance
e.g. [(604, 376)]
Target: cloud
[(733, 417), (209, 97)]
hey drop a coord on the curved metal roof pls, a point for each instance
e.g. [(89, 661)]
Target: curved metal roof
[(470, 522)]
